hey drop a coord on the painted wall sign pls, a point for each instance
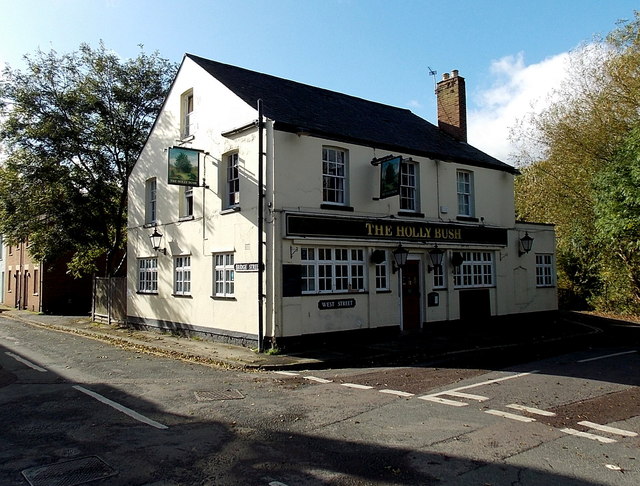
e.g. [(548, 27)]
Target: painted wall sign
[(184, 166), (246, 267), (387, 229), (336, 304)]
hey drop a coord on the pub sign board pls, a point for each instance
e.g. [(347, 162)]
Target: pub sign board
[(184, 166), (389, 229), (390, 177)]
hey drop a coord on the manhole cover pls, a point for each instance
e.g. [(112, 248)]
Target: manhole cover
[(204, 396), (69, 473)]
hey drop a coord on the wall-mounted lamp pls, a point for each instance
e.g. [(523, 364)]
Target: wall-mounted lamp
[(436, 255), (400, 255), (526, 242), (155, 239)]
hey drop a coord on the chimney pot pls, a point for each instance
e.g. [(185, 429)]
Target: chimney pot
[(454, 73), (445, 76)]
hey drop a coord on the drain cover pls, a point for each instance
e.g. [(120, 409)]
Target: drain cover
[(69, 473), (204, 396)]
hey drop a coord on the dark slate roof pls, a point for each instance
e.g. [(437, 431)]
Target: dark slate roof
[(299, 107)]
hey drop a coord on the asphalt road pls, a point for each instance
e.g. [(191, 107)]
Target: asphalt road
[(74, 409)]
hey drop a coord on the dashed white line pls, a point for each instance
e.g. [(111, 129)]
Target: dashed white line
[(606, 356), (533, 410), (121, 408), (287, 373), (510, 416), (397, 392), (26, 362), (468, 396), (586, 435), (489, 382), (355, 385), (606, 428), (316, 379), (444, 401)]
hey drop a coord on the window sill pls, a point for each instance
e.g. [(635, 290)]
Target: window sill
[(220, 297), (153, 224), (384, 291), (410, 214), (231, 210), (187, 138), (183, 296), (322, 294), (336, 207), (146, 293), (467, 218), (186, 218)]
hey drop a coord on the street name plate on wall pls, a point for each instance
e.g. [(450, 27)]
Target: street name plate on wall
[(246, 267), (336, 304)]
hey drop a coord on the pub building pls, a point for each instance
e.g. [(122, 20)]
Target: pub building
[(264, 211)]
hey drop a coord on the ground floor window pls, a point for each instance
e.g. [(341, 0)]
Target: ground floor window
[(332, 270), (544, 270), (147, 275), (439, 281), (182, 275), (476, 270), (224, 275), (382, 275)]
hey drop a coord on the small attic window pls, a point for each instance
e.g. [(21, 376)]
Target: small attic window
[(187, 119)]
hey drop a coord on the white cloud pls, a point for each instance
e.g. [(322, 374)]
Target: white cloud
[(517, 90), (414, 104)]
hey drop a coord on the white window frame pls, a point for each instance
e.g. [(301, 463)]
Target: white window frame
[(544, 270), (223, 275), (232, 190), (186, 202), (333, 270), (148, 275), (382, 275), (476, 271), (409, 187), (187, 121), (182, 275), (151, 201), (439, 276), (465, 192), (335, 167)]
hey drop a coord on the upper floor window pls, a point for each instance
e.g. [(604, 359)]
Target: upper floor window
[(186, 201), (544, 270), (465, 193), (334, 175), (187, 124), (409, 186), (151, 187), (148, 275), (476, 270), (233, 181)]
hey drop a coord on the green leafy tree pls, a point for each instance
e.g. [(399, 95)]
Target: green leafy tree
[(578, 151), (72, 126)]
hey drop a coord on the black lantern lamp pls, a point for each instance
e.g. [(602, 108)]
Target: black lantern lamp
[(399, 257), (526, 242), (156, 239), (436, 255)]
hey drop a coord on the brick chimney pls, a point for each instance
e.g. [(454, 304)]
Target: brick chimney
[(452, 105)]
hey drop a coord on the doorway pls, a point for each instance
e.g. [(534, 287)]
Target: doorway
[(411, 296)]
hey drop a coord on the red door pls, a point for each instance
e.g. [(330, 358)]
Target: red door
[(411, 296)]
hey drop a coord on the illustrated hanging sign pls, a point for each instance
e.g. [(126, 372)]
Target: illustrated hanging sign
[(184, 166), (390, 177)]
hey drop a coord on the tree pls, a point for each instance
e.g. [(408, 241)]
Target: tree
[(580, 140), (73, 126)]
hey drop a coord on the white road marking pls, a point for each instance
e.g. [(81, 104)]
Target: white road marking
[(355, 385), (24, 361), (613, 467), (444, 401), (510, 416), (489, 382), (315, 378), (533, 410), (477, 398), (121, 408), (397, 392), (287, 373), (606, 428), (606, 356), (586, 435)]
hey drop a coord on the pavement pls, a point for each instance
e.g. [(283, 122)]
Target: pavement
[(453, 342)]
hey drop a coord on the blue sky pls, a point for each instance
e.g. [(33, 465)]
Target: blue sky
[(381, 50)]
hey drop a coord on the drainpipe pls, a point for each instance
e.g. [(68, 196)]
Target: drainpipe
[(260, 230)]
